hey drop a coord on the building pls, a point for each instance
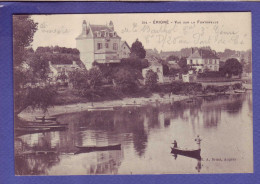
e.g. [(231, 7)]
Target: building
[(189, 77), (57, 70), (202, 60), (156, 67), (101, 44), (125, 50)]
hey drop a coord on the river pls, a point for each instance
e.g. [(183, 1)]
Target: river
[(146, 134)]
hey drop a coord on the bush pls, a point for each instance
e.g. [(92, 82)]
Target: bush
[(211, 74)]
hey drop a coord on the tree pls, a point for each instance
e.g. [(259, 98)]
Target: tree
[(126, 80), (151, 79), (137, 50), (23, 32), (78, 78), (35, 73), (95, 77), (172, 58), (183, 64), (232, 67)]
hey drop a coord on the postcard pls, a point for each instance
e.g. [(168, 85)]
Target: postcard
[(133, 93)]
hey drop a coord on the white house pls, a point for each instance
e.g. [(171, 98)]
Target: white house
[(203, 60), (100, 43)]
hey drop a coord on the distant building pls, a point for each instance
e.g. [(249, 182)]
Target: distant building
[(57, 70), (100, 43), (125, 50), (202, 60), (156, 67), (189, 77)]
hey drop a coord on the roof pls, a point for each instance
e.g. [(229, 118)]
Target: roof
[(204, 54), (98, 28), (102, 29), (122, 42)]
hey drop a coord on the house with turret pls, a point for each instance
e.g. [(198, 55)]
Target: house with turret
[(101, 44)]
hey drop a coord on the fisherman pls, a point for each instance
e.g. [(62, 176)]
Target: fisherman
[(198, 140), (175, 144)]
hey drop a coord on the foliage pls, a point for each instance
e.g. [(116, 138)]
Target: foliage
[(232, 67), (137, 50), (23, 31), (211, 74), (127, 80), (57, 49), (165, 69), (183, 64), (39, 68), (94, 77), (151, 79), (173, 71), (172, 58), (135, 63), (41, 98), (79, 79)]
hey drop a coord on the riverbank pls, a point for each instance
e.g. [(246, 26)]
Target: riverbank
[(29, 115)]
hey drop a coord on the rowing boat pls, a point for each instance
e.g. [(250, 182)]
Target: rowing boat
[(44, 126), (99, 148), (189, 153), (51, 118)]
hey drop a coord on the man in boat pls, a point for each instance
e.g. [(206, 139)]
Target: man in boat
[(198, 140), (175, 144)]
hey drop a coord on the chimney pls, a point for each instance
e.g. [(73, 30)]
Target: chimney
[(84, 27), (111, 25), (192, 50)]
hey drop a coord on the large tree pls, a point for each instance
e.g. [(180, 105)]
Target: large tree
[(23, 32), (183, 64), (232, 67), (151, 79), (137, 50), (126, 79), (29, 68)]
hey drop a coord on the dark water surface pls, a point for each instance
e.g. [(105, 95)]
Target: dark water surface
[(224, 123)]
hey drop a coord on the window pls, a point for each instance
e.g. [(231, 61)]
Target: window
[(115, 47), (106, 44), (98, 34), (191, 61), (99, 46), (196, 61)]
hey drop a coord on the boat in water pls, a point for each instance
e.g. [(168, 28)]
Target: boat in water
[(240, 91), (86, 149), (185, 152), (43, 118)]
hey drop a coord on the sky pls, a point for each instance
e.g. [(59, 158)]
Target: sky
[(163, 31)]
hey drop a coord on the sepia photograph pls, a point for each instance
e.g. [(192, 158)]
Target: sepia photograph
[(132, 93)]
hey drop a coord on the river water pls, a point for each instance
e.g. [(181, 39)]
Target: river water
[(145, 133)]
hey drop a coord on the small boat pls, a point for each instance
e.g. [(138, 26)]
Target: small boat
[(240, 91), (189, 153), (85, 149), (32, 130), (43, 118), (44, 126), (100, 109)]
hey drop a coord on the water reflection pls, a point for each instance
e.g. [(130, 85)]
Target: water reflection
[(145, 134), (198, 166)]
